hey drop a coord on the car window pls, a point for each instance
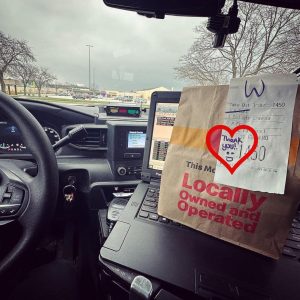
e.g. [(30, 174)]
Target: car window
[(84, 53)]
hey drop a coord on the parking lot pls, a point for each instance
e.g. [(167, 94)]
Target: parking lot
[(70, 101)]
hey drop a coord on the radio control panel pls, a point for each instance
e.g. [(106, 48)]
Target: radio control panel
[(130, 170), (126, 143)]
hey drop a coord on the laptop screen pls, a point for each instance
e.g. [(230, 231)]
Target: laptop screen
[(163, 122), (162, 113)]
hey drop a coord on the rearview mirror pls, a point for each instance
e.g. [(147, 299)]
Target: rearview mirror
[(160, 8)]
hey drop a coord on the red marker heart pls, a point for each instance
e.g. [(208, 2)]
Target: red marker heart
[(216, 131)]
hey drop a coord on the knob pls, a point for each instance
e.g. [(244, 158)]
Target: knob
[(121, 171)]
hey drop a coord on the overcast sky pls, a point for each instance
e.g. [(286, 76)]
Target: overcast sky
[(130, 51)]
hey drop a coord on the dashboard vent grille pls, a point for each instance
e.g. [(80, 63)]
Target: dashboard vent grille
[(95, 139)]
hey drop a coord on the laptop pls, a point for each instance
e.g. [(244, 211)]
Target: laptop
[(195, 263)]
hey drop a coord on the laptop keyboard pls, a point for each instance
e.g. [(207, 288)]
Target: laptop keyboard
[(292, 244), (148, 210)]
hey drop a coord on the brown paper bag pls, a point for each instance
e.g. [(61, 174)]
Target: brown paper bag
[(253, 220)]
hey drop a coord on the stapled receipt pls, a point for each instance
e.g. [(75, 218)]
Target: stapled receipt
[(265, 103)]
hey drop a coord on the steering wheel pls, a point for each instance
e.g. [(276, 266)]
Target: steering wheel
[(28, 200)]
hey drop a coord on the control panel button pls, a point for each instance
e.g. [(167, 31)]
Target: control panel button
[(121, 171), (12, 210), (10, 188), (13, 195), (8, 209), (132, 155), (11, 200), (3, 211), (6, 195), (17, 196)]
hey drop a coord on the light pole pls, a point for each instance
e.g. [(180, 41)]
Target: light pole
[(90, 46), (94, 79)]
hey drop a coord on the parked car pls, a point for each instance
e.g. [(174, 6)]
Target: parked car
[(79, 96)]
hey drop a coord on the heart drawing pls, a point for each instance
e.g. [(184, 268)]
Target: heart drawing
[(215, 131)]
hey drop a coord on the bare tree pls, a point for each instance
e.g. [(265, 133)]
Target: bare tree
[(42, 78), (26, 72), (12, 52), (267, 42)]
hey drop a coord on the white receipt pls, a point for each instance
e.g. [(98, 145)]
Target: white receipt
[(265, 103)]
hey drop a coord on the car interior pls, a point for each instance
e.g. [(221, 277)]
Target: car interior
[(78, 203)]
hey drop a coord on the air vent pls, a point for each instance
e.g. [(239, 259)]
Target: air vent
[(96, 139)]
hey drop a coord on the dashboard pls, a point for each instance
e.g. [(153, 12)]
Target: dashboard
[(111, 154), (11, 140)]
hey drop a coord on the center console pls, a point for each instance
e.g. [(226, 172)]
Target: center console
[(126, 142)]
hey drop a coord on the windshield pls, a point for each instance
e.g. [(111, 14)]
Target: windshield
[(92, 54), (84, 53)]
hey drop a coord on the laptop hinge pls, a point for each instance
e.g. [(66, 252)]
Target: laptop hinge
[(155, 181), (146, 176)]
